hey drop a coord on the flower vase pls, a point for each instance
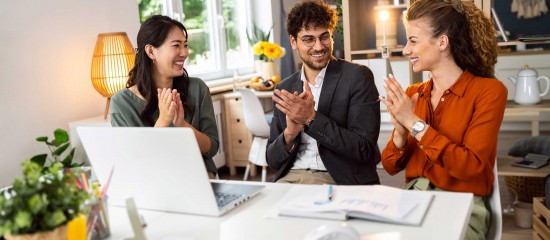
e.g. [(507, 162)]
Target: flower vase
[(268, 70), (258, 64)]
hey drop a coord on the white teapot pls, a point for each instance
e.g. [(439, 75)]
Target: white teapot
[(527, 86)]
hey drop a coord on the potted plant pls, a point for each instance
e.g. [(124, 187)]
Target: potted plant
[(41, 203), (265, 52), (57, 147)]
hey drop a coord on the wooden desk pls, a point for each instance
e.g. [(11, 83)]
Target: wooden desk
[(252, 221), (531, 113)]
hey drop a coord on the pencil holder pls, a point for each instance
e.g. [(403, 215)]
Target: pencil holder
[(97, 225)]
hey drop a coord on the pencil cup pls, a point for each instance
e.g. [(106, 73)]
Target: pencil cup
[(97, 225)]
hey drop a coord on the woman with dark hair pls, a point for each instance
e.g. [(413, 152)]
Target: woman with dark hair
[(159, 91), (446, 129)]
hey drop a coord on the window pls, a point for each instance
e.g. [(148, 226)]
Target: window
[(217, 33)]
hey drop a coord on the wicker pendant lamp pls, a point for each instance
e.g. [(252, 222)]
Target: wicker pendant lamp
[(113, 59)]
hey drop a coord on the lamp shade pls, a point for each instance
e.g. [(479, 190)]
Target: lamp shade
[(113, 59)]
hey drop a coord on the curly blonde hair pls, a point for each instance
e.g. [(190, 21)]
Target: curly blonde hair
[(472, 36)]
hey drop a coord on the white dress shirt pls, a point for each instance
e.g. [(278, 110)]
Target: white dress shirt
[(308, 153)]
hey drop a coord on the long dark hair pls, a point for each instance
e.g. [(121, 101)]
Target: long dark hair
[(472, 35), (154, 31)]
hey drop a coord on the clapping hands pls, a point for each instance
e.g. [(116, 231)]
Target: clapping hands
[(298, 108), (170, 108), (400, 107)]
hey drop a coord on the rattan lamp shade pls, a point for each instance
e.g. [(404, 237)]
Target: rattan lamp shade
[(113, 59)]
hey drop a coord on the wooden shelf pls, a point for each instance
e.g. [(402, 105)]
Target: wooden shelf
[(509, 229), (512, 232), (516, 42)]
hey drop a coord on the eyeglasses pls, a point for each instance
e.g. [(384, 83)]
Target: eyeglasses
[(310, 41)]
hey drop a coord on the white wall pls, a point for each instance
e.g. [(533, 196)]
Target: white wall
[(46, 50)]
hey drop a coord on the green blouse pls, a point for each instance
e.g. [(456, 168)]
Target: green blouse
[(126, 107)]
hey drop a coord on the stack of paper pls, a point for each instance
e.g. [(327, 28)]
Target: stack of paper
[(378, 203)]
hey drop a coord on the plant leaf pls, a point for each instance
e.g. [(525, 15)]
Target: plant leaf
[(42, 139), (54, 219), (23, 219), (67, 161), (40, 159), (36, 204), (52, 143), (61, 149), (61, 136)]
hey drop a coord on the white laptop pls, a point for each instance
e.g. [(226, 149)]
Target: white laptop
[(161, 168)]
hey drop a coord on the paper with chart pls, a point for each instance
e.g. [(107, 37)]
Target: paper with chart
[(378, 203)]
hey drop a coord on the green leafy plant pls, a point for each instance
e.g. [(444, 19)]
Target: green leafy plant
[(57, 147), (40, 202)]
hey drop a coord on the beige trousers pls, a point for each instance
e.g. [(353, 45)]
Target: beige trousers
[(479, 219), (307, 176)]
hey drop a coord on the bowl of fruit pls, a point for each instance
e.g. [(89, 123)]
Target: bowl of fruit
[(261, 84)]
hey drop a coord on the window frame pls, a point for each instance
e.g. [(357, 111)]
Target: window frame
[(218, 43)]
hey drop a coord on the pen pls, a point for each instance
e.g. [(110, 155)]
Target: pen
[(330, 196), (330, 193)]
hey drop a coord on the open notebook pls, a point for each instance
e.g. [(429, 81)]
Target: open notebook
[(376, 202), (161, 168)]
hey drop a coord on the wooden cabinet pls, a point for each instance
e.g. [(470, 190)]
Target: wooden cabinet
[(237, 137)]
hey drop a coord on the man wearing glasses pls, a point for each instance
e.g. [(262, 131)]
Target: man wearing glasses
[(327, 116)]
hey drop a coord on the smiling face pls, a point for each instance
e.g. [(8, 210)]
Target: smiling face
[(423, 50), (317, 56), (170, 55)]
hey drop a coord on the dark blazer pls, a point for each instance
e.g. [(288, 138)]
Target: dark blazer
[(346, 125)]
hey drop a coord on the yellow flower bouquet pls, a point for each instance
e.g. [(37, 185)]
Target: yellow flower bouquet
[(259, 40), (268, 51), (265, 52)]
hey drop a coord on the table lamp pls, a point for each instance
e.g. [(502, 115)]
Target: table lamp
[(113, 59)]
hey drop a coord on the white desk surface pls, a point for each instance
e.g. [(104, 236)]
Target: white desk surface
[(446, 218)]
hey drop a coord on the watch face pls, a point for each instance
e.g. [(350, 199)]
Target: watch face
[(418, 126)]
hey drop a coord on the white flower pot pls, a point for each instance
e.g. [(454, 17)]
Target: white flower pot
[(268, 70)]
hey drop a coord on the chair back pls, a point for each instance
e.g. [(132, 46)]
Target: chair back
[(495, 226), (254, 117)]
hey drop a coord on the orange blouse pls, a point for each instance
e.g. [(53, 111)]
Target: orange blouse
[(458, 151)]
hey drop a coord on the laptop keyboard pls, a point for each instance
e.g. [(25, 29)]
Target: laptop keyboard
[(225, 198)]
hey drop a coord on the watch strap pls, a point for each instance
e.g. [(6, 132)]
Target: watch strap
[(414, 132), (309, 123)]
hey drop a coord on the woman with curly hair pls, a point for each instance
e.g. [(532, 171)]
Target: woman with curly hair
[(159, 92), (446, 129)]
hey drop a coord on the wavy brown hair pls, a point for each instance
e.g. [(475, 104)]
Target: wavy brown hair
[(154, 31), (312, 13), (472, 36)]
